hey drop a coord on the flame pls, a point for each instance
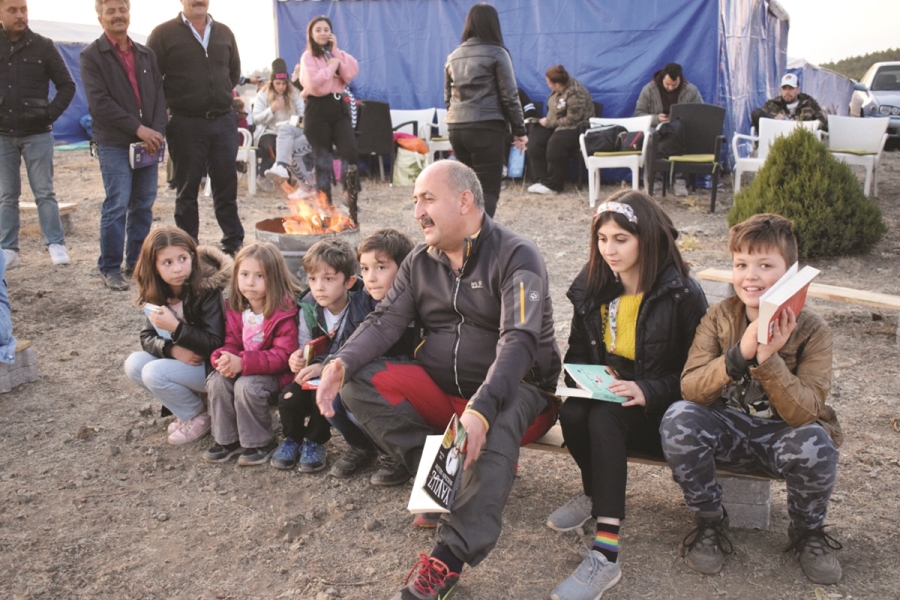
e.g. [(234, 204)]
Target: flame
[(311, 214)]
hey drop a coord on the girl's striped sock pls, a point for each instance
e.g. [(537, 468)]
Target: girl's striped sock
[(606, 541)]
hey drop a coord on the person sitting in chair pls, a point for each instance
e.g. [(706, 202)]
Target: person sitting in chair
[(791, 104), (667, 88)]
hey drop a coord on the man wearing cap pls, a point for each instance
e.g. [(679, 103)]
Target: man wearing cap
[(791, 104), (199, 61)]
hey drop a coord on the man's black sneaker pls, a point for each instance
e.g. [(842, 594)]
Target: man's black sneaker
[(815, 549), (352, 461), (391, 472), (114, 281), (707, 545), (429, 579), (222, 453)]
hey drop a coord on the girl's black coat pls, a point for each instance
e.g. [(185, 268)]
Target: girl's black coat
[(667, 319)]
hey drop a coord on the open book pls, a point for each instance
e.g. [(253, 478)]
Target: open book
[(151, 308), (440, 470), (139, 157), (593, 382), (788, 292)]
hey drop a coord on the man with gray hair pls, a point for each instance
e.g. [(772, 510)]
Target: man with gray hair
[(481, 294), (28, 63), (125, 96)]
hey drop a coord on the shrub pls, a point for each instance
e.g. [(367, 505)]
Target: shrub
[(821, 195)]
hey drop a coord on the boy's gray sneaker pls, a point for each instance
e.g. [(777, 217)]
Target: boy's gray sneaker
[(593, 576), (706, 545), (815, 548), (572, 515)]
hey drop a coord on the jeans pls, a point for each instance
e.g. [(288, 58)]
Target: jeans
[(127, 211), (173, 383), (37, 150), (199, 146), (7, 341)]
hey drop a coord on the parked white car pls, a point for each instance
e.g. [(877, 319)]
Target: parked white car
[(878, 95)]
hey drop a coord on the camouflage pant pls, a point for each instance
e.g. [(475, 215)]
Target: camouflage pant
[(698, 438)]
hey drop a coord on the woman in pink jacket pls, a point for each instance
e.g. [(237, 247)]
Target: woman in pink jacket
[(324, 73)]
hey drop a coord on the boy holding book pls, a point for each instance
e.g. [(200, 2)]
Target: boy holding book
[(332, 309), (750, 406)]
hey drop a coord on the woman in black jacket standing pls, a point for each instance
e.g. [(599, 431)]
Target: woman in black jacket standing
[(636, 310), (483, 101)]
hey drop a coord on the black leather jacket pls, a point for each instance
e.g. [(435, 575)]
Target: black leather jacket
[(203, 329), (480, 85), (26, 69), (111, 98), (667, 319)]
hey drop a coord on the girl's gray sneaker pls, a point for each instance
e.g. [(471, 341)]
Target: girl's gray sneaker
[(593, 576), (571, 515)]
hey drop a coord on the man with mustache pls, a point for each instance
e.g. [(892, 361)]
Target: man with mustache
[(125, 96), (481, 294), (200, 64), (28, 63)]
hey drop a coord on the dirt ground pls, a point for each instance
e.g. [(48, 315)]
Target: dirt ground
[(95, 504)]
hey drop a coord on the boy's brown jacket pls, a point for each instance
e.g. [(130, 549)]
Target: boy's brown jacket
[(796, 380)]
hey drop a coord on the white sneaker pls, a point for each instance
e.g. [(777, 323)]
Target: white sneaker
[(539, 188), (265, 184), (12, 259), (680, 187), (58, 254), (277, 174)]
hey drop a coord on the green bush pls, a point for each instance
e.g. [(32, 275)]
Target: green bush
[(821, 195)]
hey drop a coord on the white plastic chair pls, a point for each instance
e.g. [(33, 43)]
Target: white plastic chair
[(441, 141), (633, 160), (423, 120), (858, 142), (246, 154), (769, 131)]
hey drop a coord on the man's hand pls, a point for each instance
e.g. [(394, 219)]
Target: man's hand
[(186, 356), (296, 361), (663, 117), (329, 387), (152, 138), (476, 436), (781, 331), (311, 372)]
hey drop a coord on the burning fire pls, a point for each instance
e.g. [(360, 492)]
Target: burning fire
[(311, 214)]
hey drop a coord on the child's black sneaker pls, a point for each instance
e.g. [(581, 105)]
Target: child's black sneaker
[(222, 453), (433, 580), (257, 456), (391, 472)]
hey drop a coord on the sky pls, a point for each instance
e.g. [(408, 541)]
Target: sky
[(818, 33)]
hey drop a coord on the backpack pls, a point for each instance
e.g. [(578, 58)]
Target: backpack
[(671, 139), (630, 141), (602, 139)]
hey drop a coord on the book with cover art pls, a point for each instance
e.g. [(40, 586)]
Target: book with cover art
[(311, 384), (151, 308), (139, 157), (788, 292), (593, 382), (440, 470), (316, 347)]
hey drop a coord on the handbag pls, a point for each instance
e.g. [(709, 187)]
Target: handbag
[(602, 139)]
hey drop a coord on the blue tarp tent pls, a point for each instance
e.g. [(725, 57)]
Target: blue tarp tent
[(71, 39), (734, 51), (831, 91)]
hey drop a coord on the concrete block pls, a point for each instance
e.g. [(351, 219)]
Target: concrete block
[(748, 501), (22, 371), (716, 291)]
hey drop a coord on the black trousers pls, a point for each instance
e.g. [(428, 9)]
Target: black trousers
[(300, 416), (482, 150), (599, 435), (327, 125), (198, 147), (549, 151), (265, 152)]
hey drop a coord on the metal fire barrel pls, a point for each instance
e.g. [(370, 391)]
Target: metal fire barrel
[(293, 246)]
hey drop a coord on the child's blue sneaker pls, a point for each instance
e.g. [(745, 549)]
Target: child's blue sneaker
[(287, 455), (312, 457)]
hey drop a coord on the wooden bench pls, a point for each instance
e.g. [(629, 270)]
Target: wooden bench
[(66, 214), (747, 497), (721, 288), (22, 371)]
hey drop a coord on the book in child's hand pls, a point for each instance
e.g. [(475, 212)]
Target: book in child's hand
[(139, 157), (593, 382), (788, 292), (152, 308), (316, 347), (440, 470), (311, 384)]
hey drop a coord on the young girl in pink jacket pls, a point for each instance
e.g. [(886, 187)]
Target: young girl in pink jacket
[(324, 73)]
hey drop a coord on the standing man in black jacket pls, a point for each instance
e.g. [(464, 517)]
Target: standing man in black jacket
[(200, 64), (125, 96), (28, 63)]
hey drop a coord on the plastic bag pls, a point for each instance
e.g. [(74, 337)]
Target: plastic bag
[(407, 167), (516, 163)]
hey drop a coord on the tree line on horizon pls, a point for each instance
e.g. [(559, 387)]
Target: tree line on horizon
[(856, 66)]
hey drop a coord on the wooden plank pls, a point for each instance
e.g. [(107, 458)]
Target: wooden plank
[(64, 207), (823, 291), (22, 345)]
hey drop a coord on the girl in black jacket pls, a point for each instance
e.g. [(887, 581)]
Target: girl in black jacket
[(636, 310), (180, 289)]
